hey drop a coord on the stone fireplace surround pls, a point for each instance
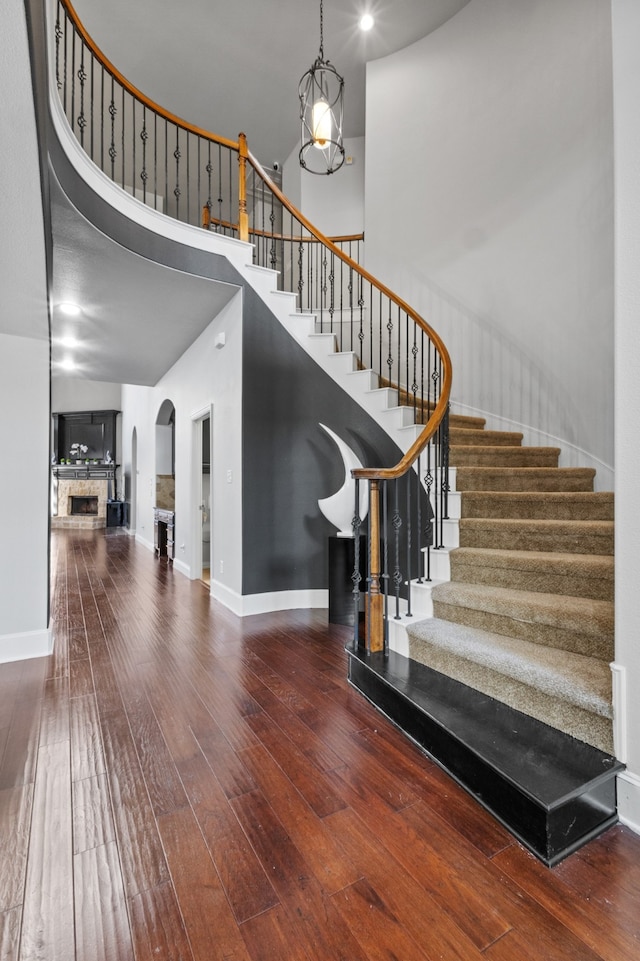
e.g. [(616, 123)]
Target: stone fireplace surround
[(89, 481)]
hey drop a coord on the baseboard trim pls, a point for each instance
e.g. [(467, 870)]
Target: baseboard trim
[(144, 542), (22, 647), (629, 800), (571, 456), (245, 605), (181, 567)]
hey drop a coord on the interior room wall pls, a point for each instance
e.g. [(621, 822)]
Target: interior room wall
[(335, 203), (74, 393), (205, 375), (489, 207), (626, 40), (24, 441)]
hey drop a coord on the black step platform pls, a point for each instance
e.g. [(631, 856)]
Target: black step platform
[(552, 792)]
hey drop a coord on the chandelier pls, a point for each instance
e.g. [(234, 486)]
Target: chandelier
[(321, 93)]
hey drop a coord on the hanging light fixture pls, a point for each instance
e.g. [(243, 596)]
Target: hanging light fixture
[(321, 92)]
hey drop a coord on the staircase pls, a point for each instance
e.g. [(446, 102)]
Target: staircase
[(508, 683), (527, 615)]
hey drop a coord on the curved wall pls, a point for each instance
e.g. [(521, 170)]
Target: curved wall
[(489, 205)]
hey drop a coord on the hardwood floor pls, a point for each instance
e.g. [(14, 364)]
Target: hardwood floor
[(179, 783)]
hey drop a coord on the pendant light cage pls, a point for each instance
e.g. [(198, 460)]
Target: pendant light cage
[(321, 93)]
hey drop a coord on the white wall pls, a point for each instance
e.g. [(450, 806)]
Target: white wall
[(24, 441), (334, 204), (626, 43), (489, 207), (24, 359), (73, 393), (205, 375)]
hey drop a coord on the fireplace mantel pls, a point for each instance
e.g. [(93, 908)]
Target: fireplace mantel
[(84, 471)]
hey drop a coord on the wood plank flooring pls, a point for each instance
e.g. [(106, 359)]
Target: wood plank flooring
[(179, 784)]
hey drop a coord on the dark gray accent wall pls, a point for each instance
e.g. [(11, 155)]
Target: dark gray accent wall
[(289, 462)]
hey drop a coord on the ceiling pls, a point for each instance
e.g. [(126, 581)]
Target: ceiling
[(234, 65), (133, 325), (225, 66)]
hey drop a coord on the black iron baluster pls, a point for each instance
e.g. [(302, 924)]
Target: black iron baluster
[(409, 477), (300, 271), (396, 523), (144, 136), (356, 525), (199, 180), (92, 105), (122, 140), (389, 344), (113, 153), (209, 170), (72, 117), (59, 35), (176, 190), (385, 563), (82, 76), (432, 515), (188, 177), (102, 120)]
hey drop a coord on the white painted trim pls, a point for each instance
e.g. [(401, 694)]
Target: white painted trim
[(21, 647), (571, 455), (182, 568), (246, 604), (144, 543), (629, 800), (619, 692)]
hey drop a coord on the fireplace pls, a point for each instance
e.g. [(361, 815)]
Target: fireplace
[(79, 496), (83, 506)]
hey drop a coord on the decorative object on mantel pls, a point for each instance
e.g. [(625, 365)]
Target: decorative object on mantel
[(77, 450), (339, 508), (107, 458)]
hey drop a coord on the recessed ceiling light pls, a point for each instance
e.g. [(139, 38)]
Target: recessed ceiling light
[(366, 21), (68, 364), (68, 341), (72, 310)]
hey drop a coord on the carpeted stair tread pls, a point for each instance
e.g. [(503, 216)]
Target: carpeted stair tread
[(583, 681), (553, 505), (576, 624), (572, 537), (568, 691), (488, 438), (473, 478), (577, 575), (480, 456)]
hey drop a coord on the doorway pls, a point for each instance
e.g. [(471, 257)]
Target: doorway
[(202, 525), (205, 493)]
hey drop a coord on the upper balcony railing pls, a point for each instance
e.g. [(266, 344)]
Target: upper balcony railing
[(214, 183)]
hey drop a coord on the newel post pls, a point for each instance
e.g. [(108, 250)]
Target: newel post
[(375, 600), (243, 217)]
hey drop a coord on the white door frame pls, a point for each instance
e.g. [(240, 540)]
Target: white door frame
[(196, 490)]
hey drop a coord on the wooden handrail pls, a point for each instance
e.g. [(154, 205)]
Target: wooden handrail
[(155, 107), (207, 220)]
